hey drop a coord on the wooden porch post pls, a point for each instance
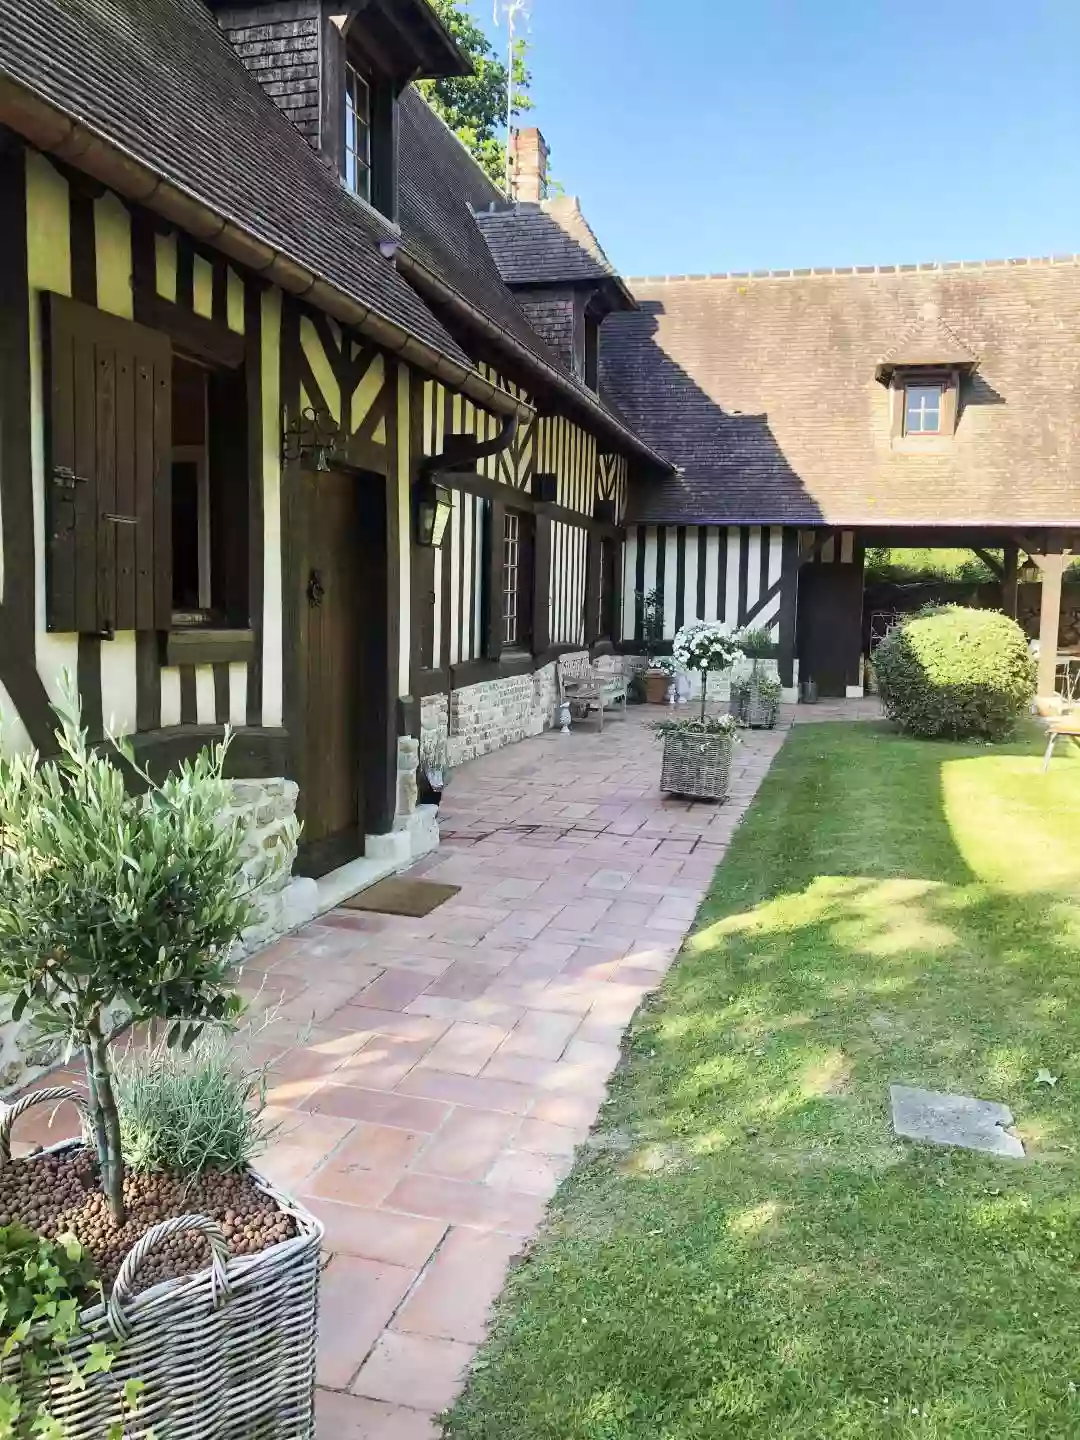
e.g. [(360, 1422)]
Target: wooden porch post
[(1052, 566), (1009, 578)]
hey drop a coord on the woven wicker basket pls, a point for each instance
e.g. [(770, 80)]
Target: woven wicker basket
[(750, 707), (697, 765), (227, 1354)]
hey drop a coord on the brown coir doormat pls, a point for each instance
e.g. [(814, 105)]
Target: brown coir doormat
[(414, 898)]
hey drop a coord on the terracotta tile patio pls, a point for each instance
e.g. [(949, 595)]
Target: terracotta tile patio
[(432, 1077), (454, 1062)]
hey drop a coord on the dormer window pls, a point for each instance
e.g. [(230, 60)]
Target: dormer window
[(357, 148), (923, 409)]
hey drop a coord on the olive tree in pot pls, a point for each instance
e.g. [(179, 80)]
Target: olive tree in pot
[(697, 753), (755, 698), (116, 900)]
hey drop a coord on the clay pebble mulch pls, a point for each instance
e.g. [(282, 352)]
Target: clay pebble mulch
[(53, 1194)]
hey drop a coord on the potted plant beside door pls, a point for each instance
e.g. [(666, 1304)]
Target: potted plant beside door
[(206, 1283), (697, 753), (657, 675)]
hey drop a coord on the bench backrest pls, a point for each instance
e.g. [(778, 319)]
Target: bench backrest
[(576, 666)]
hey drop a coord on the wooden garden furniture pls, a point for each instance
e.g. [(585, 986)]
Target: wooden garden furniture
[(1057, 726), (585, 688)]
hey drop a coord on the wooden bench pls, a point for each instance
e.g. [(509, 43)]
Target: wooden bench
[(1068, 725), (585, 688)]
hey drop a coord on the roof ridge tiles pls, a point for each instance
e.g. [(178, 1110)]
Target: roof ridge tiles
[(817, 271)]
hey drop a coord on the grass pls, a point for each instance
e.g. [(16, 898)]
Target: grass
[(754, 1253)]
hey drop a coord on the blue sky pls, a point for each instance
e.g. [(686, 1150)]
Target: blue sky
[(704, 135)]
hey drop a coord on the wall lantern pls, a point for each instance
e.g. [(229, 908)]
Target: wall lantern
[(311, 440), (433, 506)]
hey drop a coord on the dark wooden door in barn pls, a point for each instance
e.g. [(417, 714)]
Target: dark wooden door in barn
[(829, 626), (332, 801)]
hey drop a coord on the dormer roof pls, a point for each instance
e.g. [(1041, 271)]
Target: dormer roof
[(548, 243), (927, 343)]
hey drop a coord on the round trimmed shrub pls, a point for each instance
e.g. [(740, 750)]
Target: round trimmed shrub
[(952, 671)]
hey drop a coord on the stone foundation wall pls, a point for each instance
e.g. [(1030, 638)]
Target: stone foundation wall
[(268, 810), (485, 717)]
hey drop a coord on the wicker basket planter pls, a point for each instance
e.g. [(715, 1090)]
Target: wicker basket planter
[(696, 765), (226, 1354), (753, 705)]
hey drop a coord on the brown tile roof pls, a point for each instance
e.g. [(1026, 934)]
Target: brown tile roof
[(927, 341), (159, 80), (763, 390), (441, 189), (545, 243)]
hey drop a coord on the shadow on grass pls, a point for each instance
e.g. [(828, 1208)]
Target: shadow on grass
[(757, 1254)]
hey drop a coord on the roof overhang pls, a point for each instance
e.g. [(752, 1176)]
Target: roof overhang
[(410, 40), (56, 133), (926, 363)]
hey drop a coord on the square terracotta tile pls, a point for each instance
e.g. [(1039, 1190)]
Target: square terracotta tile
[(465, 1048), (541, 1034), (475, 1090), (415, 1370), (468, 1144), (392, 990), (383, 1062), (453, 1297), (365, 1167), (351, 1417), (541, 1137), (405, 1240), (356, 1300), (461, 1202), (381, 1107), (530, 1173)]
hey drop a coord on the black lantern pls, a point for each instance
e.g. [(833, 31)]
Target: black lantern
[(433, 506), (311, 439)]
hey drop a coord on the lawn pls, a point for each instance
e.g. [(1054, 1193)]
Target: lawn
[(750, 1251)]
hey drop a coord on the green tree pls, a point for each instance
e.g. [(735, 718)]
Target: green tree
[(475, 107)]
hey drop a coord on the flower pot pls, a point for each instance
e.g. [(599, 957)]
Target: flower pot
[(753, 705), (224, 1354), (657, 683), (696, 765)]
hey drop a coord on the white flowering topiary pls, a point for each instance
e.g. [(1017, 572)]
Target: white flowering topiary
[(705, 645)]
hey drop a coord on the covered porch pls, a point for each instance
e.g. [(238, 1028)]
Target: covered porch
[(831, 624)]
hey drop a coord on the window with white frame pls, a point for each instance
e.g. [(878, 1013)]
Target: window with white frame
[(357, 133), (922, 409)]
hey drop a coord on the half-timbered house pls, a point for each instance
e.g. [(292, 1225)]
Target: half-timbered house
[(254, 352)]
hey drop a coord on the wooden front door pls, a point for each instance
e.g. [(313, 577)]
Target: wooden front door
[(829, 626), (332, 801)]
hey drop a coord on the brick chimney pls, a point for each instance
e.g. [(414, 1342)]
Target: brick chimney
[(528, 165)]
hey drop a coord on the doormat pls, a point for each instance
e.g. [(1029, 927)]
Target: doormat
[(415, 898)]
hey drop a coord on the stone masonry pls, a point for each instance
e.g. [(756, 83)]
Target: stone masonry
[(485, 717)]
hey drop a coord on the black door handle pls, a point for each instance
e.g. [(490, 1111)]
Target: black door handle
[(315, 589)]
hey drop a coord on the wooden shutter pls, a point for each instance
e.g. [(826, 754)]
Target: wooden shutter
[(108, 429), (493, 579)]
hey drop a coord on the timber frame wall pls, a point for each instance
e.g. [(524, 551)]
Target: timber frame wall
[(740, 575), (174, 690)]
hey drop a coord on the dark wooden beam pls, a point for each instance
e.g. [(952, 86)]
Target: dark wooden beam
[(990, 561), (1009, 576)]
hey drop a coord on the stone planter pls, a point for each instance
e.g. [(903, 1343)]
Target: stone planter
[(696, 765), (751, 707), (225, 1354), (657, 684)]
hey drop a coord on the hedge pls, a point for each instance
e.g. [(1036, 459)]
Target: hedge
[(953, 672)]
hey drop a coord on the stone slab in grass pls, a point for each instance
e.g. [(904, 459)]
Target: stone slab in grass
[(954, 1120)]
